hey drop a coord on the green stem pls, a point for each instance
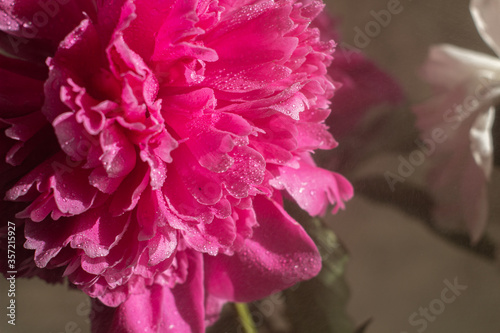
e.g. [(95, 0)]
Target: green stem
[(245, 317)]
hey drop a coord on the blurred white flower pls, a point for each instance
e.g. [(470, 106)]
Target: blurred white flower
[(467, 88)]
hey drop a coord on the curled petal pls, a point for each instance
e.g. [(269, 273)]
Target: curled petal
[(159, 308), (313, 187)]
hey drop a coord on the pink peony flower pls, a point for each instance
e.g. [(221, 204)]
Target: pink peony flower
[(147, 145), (463, 112)]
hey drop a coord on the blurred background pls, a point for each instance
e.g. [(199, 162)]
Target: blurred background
[(397, 264)]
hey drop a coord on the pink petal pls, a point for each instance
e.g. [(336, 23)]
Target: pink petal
[(119, 154), (96, 232), (160, 308), (313, 188), (46, 238), (267, 264), (128, 193)]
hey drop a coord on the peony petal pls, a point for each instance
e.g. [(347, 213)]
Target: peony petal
[(159, 308), (129, 192), (315, 136), (312, 187), (267, 264), (211, 238), (249, 163), (99, 179), (72, 67), (96, 232), (119, 155), (232, 72), (74, 140), (213, 308), (162, 246), (72, 192), (46, 238)]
